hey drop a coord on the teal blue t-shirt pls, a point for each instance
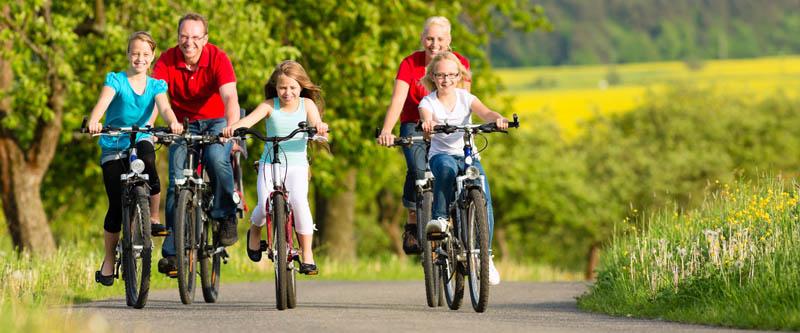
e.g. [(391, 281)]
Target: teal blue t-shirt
[(281, 123), (128, 108)]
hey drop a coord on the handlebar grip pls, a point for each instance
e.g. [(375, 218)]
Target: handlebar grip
[(84, 129), (515, 123)]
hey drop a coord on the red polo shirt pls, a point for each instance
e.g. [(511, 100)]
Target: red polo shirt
[(411, 71), (195, 94)]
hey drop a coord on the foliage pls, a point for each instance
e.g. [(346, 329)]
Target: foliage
[(625, 31), (732, 262)]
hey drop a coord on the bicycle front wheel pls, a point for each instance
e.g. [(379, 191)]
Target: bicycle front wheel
[(452, 279), (477, 246), (136, 248), (280, 251), (186, 251), (432, 291)]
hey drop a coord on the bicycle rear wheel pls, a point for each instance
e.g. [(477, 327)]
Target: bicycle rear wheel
[(432, 291), (136, 248), (185, 247), (477, 246), (210, 261), (280, 250), (452, 279)]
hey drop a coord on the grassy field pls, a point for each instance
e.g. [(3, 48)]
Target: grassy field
[(733, 262), (570, 94)]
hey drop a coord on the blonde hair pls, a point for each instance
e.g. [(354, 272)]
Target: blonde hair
[(436, 20), (294, 70), (428, 80), (142, 36)]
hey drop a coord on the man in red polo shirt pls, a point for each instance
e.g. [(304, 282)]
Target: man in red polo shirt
[(202, 88)]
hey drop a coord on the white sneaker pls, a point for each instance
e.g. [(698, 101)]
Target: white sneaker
[(494, 275), (437, 225)]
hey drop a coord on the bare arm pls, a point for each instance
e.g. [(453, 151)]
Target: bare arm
[(166, 112), (314, 119), (231, 101), (106, 96), (426, 116), (263, 110), (153, 116), (488, 115), (399, 95)]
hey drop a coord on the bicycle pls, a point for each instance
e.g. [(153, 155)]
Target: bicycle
[(134, 252), (197, 237), (423, 203), (280, 245), (464, 248)]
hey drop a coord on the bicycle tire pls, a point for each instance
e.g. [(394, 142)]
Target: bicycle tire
[(185, 250), (280, 251), (210, 262), (291, 287), (425, 201), (136, 248), (452, 279), (477, 246)]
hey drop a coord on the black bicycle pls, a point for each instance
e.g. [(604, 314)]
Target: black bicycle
[(134, 252), (423, 205), (280, 244), (464, 248), (196, 235)]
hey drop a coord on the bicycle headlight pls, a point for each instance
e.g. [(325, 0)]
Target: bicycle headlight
[(137, 166), (472, 172)]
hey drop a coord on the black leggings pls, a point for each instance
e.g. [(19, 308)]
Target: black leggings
[(112, 170)]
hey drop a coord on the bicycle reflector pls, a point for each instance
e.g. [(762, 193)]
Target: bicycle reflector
[(472, 172), (137, 166)]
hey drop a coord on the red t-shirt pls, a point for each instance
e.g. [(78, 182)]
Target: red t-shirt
[(411, 71), (195, 94)]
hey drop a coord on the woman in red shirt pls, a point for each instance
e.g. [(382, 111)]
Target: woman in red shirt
[(407, 93)]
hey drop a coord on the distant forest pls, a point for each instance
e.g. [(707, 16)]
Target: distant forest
[(622, 31)]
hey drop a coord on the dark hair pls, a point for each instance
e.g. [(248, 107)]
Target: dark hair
[(193, 17), (294, 70)]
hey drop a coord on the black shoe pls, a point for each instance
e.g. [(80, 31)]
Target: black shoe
[(410, 242), (308, 269), (158, 230), (169, 266), (254, 255), (106, 280), (227, 231)]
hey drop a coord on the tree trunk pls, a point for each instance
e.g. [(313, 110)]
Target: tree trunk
[(22, 169), (592, 258), (336, 215), (390, 215)]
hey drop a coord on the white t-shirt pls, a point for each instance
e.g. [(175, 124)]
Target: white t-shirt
[(451, 144)]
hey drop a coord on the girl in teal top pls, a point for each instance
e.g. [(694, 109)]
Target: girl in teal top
[(127, 99), (291, 97)]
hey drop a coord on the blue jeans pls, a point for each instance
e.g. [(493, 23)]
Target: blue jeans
[(216, 161), (415, 164), (445, 168)]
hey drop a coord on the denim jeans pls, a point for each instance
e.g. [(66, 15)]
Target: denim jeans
[(415, 164), (216, 161), (445, 168)]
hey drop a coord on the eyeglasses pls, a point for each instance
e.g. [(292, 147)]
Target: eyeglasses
[(449, 76), (183, 38)]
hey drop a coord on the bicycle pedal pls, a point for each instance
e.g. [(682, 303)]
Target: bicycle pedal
[(436, 235), (263, 246), (172, 274)]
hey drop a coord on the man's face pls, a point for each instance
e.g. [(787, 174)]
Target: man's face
[(191, 39)]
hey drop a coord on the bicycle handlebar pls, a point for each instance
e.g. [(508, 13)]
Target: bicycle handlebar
[(302, 127), (404, 141), (482, 128)]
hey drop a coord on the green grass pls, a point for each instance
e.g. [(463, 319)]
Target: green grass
[(733, 262)]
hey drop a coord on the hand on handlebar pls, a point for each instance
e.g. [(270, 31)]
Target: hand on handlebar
[(502, 123), (95, 127), (228, 131), (176, 127), (322, 129), (386, 139), (427, 126)]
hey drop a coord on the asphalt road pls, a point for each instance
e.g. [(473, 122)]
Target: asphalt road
[(332, 306)]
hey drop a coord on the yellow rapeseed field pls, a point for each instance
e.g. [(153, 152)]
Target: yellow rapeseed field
[(570, 94)]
